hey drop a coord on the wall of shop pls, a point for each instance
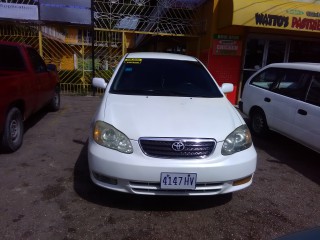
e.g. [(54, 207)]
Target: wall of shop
[(221, 50)]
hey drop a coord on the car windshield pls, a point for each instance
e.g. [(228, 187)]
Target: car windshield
[(164, 77)]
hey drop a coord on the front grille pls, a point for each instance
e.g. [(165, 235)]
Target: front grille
[(184, 147), (154, 188)]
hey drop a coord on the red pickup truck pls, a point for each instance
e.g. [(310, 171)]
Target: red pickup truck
[(27, 84)]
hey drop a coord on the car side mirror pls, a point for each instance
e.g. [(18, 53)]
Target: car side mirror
[(99, 82), (227, 87)]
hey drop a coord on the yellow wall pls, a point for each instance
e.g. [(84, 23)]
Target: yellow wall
[(210, 12), (67, 63), (71, 35), (231, 30)]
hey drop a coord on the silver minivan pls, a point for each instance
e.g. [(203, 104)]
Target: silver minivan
[(285, 97)]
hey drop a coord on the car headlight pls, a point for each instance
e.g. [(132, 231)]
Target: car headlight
[(106, 135), (238, 140)]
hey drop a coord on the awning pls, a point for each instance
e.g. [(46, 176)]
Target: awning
[(298, 15)]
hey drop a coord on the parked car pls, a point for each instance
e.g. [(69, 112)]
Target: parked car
[(285, 97), (164, 127), (27, 85)]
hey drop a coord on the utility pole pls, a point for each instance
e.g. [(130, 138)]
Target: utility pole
[(92, 46)]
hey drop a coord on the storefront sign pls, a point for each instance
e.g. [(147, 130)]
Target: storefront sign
[(71, 11), (226, 45), (287, 22), (279, 14), (19, 11), (306, 24)]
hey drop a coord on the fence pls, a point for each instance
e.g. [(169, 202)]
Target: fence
[(71, 52), (118, 25), (79, 89)]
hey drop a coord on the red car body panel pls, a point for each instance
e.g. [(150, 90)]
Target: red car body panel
[(26, 87)]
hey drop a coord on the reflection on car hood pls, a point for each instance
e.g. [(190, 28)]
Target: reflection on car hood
[(154, 116)]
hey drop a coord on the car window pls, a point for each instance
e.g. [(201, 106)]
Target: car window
[(37, 62), (313, 96), (163, 77), (268, 78), (293, 84), (11, 58)]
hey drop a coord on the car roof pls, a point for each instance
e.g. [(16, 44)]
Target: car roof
[(160, 55), (297, 65)]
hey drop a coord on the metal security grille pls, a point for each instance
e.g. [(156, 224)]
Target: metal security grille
[(108, 52), (20, 33), (177, 147), (172, 17), (73, 57)]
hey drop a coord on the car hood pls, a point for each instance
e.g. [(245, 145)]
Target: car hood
[(158, 116)]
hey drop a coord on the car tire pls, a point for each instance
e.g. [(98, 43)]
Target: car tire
[(258, 123), (13, 130), (54, 104)]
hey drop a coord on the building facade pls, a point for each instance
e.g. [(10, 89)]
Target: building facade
[(246, 35)]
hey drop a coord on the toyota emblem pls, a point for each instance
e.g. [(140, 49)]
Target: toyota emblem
[(178, 146)]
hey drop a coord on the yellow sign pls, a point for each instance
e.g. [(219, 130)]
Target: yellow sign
[(278, 14), (133, 60)]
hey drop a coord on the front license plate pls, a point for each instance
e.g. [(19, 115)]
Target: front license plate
[(178, 181)]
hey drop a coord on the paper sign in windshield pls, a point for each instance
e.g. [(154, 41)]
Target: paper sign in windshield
[(133, 60)]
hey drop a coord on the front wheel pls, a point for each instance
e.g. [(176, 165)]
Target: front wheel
[(13, 130), (258, 123)]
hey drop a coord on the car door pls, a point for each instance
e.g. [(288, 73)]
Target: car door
[(42, 78), (288, 93), (307, 116), (261, 93)]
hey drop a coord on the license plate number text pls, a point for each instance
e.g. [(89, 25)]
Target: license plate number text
[(178, 181)]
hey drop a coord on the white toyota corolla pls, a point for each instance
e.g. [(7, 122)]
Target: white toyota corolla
[(164, 127)]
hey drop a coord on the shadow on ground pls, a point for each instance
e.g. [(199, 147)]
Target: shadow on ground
[(28, 124), (92, 193), (286, 151)]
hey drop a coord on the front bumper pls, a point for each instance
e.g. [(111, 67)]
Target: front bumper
[(140, 174)]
